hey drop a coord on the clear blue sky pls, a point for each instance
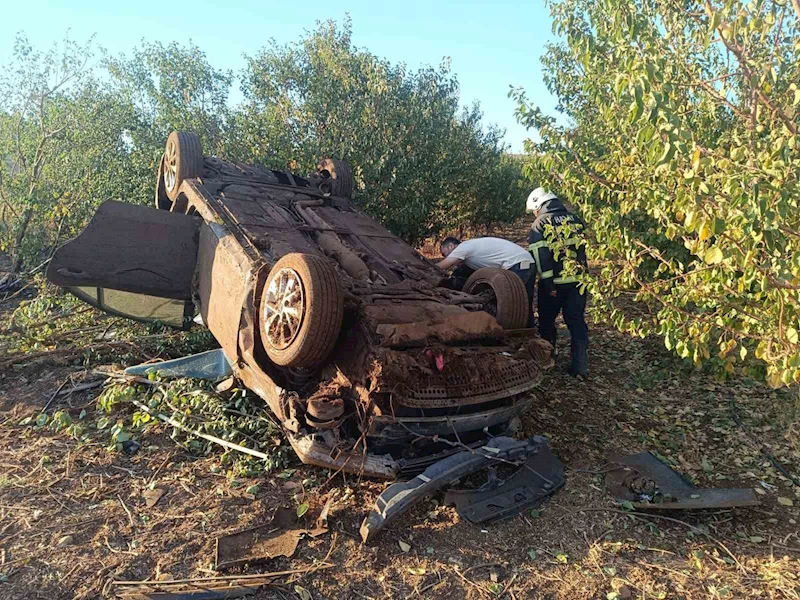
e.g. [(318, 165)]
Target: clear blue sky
[(492, 45)]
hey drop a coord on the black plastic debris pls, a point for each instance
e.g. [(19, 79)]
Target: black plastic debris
[(646, 482), (539, 477), (542, 478)]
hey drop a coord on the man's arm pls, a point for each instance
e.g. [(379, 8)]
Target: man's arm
[(449, 262)]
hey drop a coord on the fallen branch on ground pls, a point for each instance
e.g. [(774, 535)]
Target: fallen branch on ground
[(200, 434)]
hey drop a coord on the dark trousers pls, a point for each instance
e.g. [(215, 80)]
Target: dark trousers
[(528, 276), (569, 301)]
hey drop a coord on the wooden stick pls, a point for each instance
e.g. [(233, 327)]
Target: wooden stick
[(200, 434), (53, 397), (130, 516), (318, 567)]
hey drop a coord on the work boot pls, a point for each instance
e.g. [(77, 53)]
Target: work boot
[(580, 359), (576, 374)]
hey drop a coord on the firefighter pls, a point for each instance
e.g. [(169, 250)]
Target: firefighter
[(557, 293)]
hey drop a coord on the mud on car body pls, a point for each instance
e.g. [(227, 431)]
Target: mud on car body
[(339, 325)]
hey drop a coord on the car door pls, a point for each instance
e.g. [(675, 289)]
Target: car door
[(133, 261)]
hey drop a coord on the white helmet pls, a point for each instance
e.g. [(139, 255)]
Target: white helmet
[(537, 198)]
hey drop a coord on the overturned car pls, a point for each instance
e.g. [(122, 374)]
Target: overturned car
[(340, 326)]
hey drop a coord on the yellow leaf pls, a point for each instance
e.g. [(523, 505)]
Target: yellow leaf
[(713, 255)]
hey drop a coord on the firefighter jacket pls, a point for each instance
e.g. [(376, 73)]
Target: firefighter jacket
[(566, 226)]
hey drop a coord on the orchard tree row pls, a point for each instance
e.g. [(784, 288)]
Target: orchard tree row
[(78, 127), (680, 148)]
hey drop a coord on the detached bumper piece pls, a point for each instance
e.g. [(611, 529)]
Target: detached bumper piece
[(646, 482), (540, 474), (537, 478)]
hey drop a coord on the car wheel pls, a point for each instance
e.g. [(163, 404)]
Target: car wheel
[(341, 176), (183, 159), (508, 300), (301, 311)]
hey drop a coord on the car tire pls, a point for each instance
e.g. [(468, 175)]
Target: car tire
[(511, 299), (183, 159), (304, 336), (341, 176)]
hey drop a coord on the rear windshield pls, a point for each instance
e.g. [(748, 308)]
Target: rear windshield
[(175, 313)]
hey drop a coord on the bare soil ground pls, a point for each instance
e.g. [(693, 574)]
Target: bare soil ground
[(73, 516)]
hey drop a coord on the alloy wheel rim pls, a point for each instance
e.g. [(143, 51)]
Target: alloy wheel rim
[(170, 165), (284, 308)]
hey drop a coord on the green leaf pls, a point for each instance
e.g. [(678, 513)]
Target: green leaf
[(405, 547), (532, 554), (535, 513), (714, 22), (785, 501), (791, 335), (713, 255), (302, 509), (627, 505), (666, 156)]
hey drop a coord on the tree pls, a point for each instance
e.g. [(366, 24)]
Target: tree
[(682, 153), (35, 91), (173, 87), (422, 164), (71, 137)]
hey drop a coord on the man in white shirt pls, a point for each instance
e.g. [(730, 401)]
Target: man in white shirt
[(471, 255)]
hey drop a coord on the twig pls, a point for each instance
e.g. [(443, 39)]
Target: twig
[(82, 387), (53, 397), (318, 567), (115, 551), (789, 548), (161, 466), (472, 583), (130, 516)]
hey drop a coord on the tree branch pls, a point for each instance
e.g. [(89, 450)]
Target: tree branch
[(739, 53)]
